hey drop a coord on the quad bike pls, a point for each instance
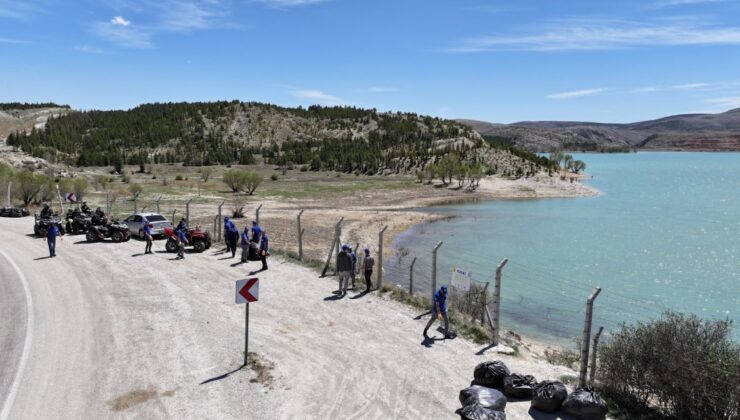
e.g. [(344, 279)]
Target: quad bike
[(41, 225), (115, 230), (13, 212), (78, 222), (199, 239)]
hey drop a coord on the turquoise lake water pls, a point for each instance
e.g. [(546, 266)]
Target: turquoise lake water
[(664, 234)]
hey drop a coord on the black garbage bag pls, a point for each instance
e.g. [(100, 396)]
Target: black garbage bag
[(548, 396), (483, 396), (519, 386), (476, 412), (491, 374), (585, 404)]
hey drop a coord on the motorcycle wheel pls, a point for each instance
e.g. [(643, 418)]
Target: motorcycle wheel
[(117, 236), (171, 245), (199, 245), (91, 236)]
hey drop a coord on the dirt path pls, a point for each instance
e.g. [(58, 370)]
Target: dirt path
[(123, 335)]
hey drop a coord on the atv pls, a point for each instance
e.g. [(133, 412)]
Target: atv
[(77, 221), (13, 212), (115, 230), (41, 225), (199, 239)]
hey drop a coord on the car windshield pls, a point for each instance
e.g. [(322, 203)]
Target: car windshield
[(156, 218)]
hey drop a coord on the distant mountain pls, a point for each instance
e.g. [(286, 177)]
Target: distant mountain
[(679, 132)]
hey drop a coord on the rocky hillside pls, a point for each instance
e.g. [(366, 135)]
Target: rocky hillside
[(24, 117), (679, 132), (323, 138)]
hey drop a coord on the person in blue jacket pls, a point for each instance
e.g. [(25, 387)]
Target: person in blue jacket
[(182, 240), (264, 249), (256, 232), (245, 244), (227, 239), (51, 239), (439, 308), (353, 274), (148, 237)]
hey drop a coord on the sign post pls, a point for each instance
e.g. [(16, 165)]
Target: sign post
[(247, 290)]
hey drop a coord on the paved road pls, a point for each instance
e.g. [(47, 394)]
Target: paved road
[(14, 323)]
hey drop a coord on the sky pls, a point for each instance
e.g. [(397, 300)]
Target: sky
[(498, 61)]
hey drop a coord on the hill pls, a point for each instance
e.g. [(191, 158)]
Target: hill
[(344, 139), (679, 132)]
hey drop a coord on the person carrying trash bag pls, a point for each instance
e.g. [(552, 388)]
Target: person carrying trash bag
[(439, 309), (245, 244), (344, 267)]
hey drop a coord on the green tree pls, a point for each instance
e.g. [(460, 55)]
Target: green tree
[(135, 189), (578, 166), (235, 179), (80, 187), (253, 181), (27, 185)]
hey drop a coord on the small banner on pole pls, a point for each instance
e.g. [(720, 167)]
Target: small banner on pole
[(461, 279)]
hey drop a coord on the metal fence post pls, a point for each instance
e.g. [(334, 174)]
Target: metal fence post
[(337, 229), (592, 374), (10, 188), (136, 203), (215, 223), (173, 216), (484, 303), (158, 198), (380, 257), (497, 303), (434, 268), (411, 277), (587, 337), (300, 237), (219, 218), (187, 211), (257, 214)]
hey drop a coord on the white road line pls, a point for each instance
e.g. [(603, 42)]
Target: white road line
[(8, 405)]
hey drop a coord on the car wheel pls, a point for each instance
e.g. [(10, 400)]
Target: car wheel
[(141, 234)]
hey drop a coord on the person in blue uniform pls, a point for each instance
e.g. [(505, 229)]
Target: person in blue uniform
[(51, 239)]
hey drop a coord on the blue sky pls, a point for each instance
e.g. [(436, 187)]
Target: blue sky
[(500, 61)]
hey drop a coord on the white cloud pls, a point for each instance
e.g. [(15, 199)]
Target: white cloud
[(605, 35), (648, 89), (576, 93), (730, 102), (280, 4), (12, 41), (178, 15), (378, 89), (125, 36), (88, 49), (690, 86), (669, 3), (120, 21), (15, 9), (318, 96)]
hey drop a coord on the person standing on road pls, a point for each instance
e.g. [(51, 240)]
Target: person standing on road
[(344, 267), (264, 249), (148, 237), (368, 263), (182, 239), (353, 274), (439, 309), (51, 239), (256, 232), (227, 222), (245, 244), (233, 238)]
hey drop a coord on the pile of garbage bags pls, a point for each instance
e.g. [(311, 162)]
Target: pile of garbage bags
[(494, 384)]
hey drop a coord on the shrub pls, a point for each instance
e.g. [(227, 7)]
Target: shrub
[(274, 177), (135, 189), (304, 168), (178, 177), (239, 180), (688, 367)]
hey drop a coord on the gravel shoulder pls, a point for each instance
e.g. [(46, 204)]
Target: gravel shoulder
[(118, 334)]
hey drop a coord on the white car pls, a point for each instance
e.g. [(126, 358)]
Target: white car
[(136, 224)]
